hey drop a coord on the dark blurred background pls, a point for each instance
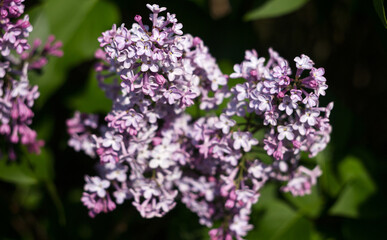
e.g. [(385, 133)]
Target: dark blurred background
[(346, 37)]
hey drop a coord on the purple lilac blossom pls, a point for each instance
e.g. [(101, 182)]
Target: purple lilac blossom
[(153, 154), (80, 129), (157, 73), (17, 57)]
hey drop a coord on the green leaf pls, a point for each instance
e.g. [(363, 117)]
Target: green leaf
[(93, 99), (16, 172), (297, 228), (274, 8), (351, 168), (260, 134), (279, 221), (309, 205), (78, 32), (357, 189), (328, 180), (379, 7), (30, 196), (194, 110), (29, 169), (315, 235), (226, 66), (42, 164), (268, 194), (261, 156), (40, 24)]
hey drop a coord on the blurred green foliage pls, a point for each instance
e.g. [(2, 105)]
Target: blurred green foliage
[(40, 195), (77, 24), (379, 7), (274, 8)]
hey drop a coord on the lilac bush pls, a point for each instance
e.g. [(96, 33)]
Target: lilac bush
[(152, 153), (17, 96)]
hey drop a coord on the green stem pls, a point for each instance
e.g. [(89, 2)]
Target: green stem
[(57, 202), (241, 167), (248, 122)]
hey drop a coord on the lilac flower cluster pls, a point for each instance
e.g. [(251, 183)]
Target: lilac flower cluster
[(152, 153), (16, 58), (81, 128), (289, 108)]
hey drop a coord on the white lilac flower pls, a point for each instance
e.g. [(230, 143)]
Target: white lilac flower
[(217, 79), (177, 28), (287, 105), (157, 36), (97, 185), (149, 65), (318, 74), (150, 191), (258, 170), (20, 89), (311, 100), (271, 118), (224, 123), (132, 118), (243, 91), (243, 140), (255, 100), (156, 8), (302, 181), (112, 140), (120, 196), (310, 117), (160, 161), (285, 132), (303, 62), (118, 173), (144, 48), (240, 225), (174, 72), (174, 53), (265, 103), (172, 95), (321, 89)]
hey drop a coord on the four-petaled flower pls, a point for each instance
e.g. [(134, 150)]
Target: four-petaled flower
[(287, 105), (224, 123), (303, 62), (285, 132), (244, 140), (172, 94), (310, 117), (113, 140), (96, 184)]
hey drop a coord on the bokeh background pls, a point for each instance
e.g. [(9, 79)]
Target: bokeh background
[(40, 195)]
